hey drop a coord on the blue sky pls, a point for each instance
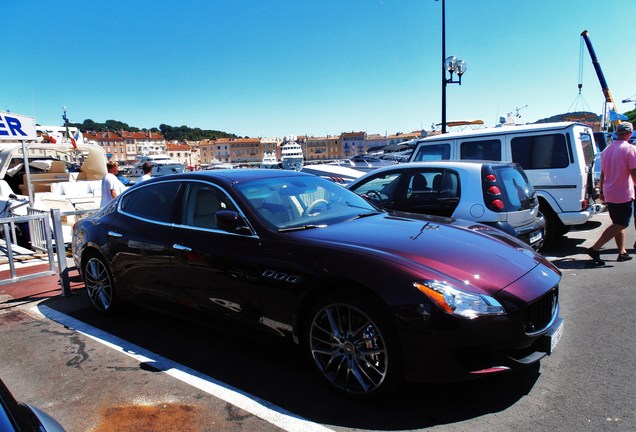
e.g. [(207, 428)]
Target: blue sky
[(278, 67)]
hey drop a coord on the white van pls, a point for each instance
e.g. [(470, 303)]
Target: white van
[(558, 159)]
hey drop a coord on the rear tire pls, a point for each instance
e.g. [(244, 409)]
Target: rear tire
[(353, 346), (100, 285), (554, 228)]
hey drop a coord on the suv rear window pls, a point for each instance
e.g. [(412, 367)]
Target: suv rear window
[(432, 152), (480, 150), (588, 150), (540, 151)]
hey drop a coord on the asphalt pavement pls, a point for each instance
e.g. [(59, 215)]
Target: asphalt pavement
[(146, 371)]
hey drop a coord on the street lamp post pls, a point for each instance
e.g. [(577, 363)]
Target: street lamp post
[(452, 65)]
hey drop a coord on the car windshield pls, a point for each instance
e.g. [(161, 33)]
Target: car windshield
[(302, 202)]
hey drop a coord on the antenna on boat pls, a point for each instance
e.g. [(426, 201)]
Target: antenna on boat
[(517, 109), (64, 117)]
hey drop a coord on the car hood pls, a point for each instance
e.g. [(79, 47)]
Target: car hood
[(440, 248)]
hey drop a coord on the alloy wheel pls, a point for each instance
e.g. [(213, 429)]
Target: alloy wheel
[(99, 286), (349, 349)]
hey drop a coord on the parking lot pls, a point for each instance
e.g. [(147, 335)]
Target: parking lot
[(95, 373)]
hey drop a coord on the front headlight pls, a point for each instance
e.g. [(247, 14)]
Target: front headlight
[(458, 302)]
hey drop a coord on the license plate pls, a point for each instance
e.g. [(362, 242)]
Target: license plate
[(536, 236), (555, 337)]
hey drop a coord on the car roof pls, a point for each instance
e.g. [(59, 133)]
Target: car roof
[(498, 130), (457, 164), (234, 175), (461, 165)]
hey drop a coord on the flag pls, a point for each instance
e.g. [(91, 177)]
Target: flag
[(49, 138), (614, 116), (79, 138), (71, 137)]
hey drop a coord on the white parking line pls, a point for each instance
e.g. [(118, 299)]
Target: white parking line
[(252, 404)]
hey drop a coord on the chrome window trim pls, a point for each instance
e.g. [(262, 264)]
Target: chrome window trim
[(174, 225)]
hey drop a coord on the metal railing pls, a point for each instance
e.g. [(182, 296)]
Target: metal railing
[(46, 235), (40, 222)]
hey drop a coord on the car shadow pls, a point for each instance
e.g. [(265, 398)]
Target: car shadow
[(277, 372)]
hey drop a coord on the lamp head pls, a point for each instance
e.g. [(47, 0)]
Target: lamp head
[(461, 67)]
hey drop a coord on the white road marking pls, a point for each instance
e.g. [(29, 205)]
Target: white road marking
[(261, 408)]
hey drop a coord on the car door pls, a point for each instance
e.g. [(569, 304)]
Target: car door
[(140, 239), (215, 272)]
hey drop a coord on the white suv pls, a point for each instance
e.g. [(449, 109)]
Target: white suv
[(557, 158), (492, 193)]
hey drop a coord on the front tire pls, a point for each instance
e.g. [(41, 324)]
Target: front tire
[(353, 347), (100, 285)]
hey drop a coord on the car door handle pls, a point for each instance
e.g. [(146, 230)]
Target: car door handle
[(181, 248), (114, 234)]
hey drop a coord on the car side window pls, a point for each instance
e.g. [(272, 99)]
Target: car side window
[(426, 186), (481, 150), (433, 191), (449, 186), (380, 188), (201, 202), (433, 152), (154, 202), (540, 151), (421, 182)]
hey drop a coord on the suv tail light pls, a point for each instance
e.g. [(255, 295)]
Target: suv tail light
[(585, 204)]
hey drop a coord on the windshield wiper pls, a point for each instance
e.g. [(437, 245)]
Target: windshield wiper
[(356, 206), (363, 215), (301, 227)]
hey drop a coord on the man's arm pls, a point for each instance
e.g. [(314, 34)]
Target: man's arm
[(600, 186)]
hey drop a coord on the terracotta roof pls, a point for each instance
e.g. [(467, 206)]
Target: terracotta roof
[(353, 134), (178, 147)]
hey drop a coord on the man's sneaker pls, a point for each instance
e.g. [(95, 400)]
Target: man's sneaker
[(596, 257), (623, 257)]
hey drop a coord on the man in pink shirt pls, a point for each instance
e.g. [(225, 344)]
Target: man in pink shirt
[(618, 175)]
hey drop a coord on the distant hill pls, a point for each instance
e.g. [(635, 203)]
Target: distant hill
[(581, 116), (171, 133)]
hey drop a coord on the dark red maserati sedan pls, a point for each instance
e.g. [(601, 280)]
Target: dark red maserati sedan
[(373, 297)]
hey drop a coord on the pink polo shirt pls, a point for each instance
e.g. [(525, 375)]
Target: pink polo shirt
[(616, 161)]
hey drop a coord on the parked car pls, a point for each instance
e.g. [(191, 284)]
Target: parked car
[(557, 158), (21, 417), (493, 193), (373, 298)]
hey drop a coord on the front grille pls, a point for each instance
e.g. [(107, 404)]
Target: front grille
[(540, 313)]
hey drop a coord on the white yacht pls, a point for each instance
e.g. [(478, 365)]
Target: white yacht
[(63, 172), (269, 160), (217, 164), (292, 154), (162, 164)]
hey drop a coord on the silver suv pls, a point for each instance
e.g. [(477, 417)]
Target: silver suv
[(492, 193)]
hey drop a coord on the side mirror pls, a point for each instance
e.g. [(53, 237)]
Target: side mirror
[(231, 221)]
